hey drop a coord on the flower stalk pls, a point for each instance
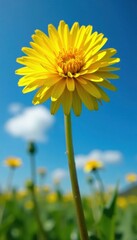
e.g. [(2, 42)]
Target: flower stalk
[(101, 186), (32, 151), (8, 189), (37, 215), (74, 181)]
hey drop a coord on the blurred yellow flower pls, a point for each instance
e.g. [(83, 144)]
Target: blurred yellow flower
[(42, 171), (69, 67), (29, 204), (13, 162), (122, 202), (92, 165), (52, 197), (131, 177)]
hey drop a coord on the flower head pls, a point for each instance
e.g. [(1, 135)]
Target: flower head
[(13, 162), (29, 204), (42, 171), (131, 177), (122, 202), (69, 67), (93, 165)]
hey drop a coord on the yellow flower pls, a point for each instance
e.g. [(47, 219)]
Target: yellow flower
[(13, 162), (69, 67), (42, 171), (52, 197), (122, 202), (92, 165), (131, 177), (29, 204)]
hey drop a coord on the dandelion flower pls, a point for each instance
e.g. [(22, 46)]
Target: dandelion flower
[(122, 202), (13, 162), (52, 197), (92, 165), (29, 204), (68, 67), (41, 171), (131, 177)]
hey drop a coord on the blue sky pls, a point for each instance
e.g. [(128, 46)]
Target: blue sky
[(112, 128)]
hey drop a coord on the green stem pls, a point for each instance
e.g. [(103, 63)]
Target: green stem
[(33, 193), (33, 169), (102, 189), (74, 181), (8, 189), (36, 212)]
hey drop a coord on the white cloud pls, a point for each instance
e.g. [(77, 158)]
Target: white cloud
[(112, 156), (59, 174), (108, 156), (15, 108), (31, 124)]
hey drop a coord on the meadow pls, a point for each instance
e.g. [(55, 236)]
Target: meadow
[(115, 218)]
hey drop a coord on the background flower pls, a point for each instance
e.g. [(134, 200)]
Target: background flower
[(93, 165), (42, 171), (13, 162), (131, 177)]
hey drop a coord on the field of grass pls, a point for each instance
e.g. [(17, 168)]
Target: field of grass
[(116, 220)]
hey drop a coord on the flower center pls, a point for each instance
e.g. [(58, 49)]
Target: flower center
[(70, 61)]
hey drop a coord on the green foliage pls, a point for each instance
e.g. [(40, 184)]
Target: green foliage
[(106, 225), (59, 222)]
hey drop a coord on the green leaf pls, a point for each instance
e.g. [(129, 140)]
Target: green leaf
[(106, 225)]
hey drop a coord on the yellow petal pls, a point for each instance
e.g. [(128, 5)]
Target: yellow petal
[(107, 85), (54, 37), (52, 81), (76, 104), (80, 38), (58, 90), (30, 63), (93, 77), (91, 60), (32, 86), (67, 101), (93, 41), (108, 62), (92, 89), (81, 80), (63, 31), (104, 96), (85, 97), (110, 52), (73, 33), (88, 31), (66, 37), (42, 95), (44, 53), (29, 51), (70, 84), (55, 106), (43, 41), (108, 69), (107, 75), (25, 81), (23, 71), (99, 46)]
